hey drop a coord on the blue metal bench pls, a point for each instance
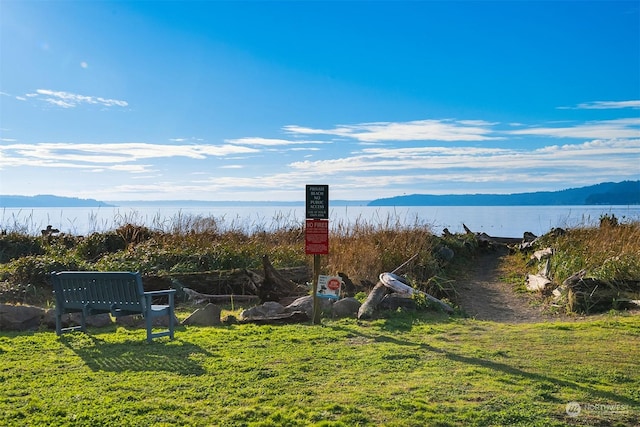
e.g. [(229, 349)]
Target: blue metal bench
[(118, 293)]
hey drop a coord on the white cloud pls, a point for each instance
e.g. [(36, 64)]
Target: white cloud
[(419, 130), (267, 142), (395, 170), (108, 155), (605, 105), (191, 139), (71, 100), (606, 129), (621, 155)]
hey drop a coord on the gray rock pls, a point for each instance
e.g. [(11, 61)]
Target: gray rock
[(20, 317), (133, 321), (305, 304), (209, 315), (49, 318), (99, 320), (345, 307), (138, 321), (268, 309), (444, 253), (72, 319)]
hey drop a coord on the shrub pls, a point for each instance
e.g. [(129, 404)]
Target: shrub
[(15, 245), (134, 234), (36, 269), (95, 245)]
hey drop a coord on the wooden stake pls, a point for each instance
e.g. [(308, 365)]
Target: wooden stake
[(316, 305)]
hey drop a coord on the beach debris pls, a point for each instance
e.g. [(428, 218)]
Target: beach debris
[(397, 284), (542, 254), (389, 284), (272, 312), (537, 283), (369, 306), (199, 298), (275, 286)]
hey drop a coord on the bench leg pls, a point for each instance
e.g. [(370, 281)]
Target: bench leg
[(83, 319), (172, 316), (148, 316), (60, 330), (148, 322), (58, 323)]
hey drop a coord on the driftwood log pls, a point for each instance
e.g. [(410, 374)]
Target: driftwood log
[(397, 284), (275, 286), (537, 283), (540, 282), (589, 294), (271, 283), (486, 239), (199, 298), (388, 284), (369, 306)]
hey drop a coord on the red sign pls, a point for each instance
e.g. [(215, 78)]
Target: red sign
[(316, 237), (334, 284)]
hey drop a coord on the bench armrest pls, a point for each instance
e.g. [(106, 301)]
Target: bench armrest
[(170, 293), (165, 292)]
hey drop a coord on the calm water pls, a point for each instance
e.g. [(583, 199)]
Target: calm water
[(504, 221)]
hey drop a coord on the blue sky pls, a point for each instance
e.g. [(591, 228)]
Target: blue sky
[(240, 100)]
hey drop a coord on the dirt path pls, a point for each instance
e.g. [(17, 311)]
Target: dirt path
[(483, 296)]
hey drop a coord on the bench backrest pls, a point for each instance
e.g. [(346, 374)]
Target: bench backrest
[(99, 290)]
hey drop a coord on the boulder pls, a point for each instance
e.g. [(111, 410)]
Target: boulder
[(20, 317), (268, 309), (133, 321), (209, 315), (99, 320), (345, 307), (137, 321), (68, 319), (444, 254), (305, 304), (49, 318)]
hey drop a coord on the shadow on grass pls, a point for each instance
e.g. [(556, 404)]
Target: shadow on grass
[(137, 356), (497, 366), (403, 321)]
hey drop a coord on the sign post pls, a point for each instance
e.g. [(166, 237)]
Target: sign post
[(316, 234)]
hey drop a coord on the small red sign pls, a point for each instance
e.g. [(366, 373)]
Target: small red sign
[(333, 284), (316, 237)]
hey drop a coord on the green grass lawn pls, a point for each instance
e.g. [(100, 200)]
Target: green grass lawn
[(402, 370)]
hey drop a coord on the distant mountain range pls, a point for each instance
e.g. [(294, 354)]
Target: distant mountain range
[(608, 193), (48, 201)]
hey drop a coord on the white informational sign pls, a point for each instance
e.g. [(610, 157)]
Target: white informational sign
[(329, 286)]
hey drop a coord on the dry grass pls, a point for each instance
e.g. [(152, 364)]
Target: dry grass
[(363, 250), (610, 253)]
